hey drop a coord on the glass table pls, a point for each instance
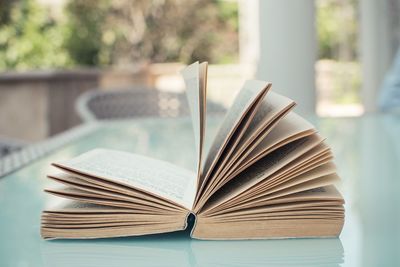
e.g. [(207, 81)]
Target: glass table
[(367, 152)]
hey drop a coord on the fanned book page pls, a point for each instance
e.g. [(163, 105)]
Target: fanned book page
[(268, 174)]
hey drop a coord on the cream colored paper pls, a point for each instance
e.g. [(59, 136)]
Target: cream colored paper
[(150, 175)]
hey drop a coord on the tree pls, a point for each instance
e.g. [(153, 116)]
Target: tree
[(120, 32), (29, 37), (109, 32), (337, 29)]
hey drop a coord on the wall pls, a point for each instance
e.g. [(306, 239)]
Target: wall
[(35, 105)]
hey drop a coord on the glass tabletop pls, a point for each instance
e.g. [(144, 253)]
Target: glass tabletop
[(367, 152)]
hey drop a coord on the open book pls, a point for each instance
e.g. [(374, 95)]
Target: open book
[(267, 174)]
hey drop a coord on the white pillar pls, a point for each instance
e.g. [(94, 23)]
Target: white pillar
[(288, 50), (249, 32), (377, 47)]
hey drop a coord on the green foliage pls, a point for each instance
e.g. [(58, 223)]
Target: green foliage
[(107, 32), (337, 29), (83, 36), (120, 32), (338, 35), (29, 38)]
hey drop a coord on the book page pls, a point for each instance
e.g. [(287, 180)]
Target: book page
[(317, 190), (282, 179), (143, 200), (315, 212), (91, 184), (304, 186), (272, 109), (62, 205), (195, 77), (325, 193), (251, 92), (152, 176), (290, 128), (263, 197), (263, 169)]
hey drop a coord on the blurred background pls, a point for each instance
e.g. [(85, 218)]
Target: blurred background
[(329, 55)]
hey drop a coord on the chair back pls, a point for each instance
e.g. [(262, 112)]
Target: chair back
[(133, 103)]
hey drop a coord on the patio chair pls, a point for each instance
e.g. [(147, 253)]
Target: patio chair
[(133, 103), (8, 145)]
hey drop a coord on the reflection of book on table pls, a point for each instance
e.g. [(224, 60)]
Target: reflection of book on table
[(299, 252), (153, 250), (176, 249), (267, 174)]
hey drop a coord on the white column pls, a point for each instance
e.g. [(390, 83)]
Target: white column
[(377, 47), (249, 32), (288, 50)]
